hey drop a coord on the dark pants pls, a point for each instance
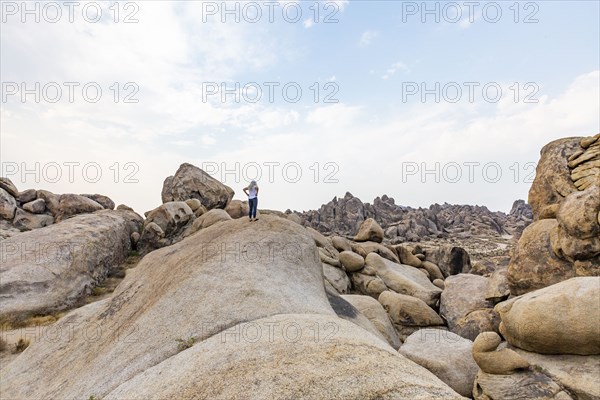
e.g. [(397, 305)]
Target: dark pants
[(253, 203)]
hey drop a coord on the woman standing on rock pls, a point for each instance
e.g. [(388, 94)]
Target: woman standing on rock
[(252, 193)]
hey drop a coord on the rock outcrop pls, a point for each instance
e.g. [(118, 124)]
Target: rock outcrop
[(206, 319), (33, 209), (564, 242), (190, 182), (50, 269)]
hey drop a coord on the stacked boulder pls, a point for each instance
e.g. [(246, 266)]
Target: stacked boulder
[(400, 278), (33, 209), (551, 321), (564, 240), (189, 198)]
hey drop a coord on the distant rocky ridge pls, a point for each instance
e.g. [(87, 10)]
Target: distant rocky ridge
[(343, 216)]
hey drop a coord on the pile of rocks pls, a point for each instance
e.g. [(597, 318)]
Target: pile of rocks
[(564, 240), (32, 209), (342, 216), (551, 322), (227, 313)]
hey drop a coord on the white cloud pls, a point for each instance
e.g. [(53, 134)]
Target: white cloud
[(391, 71), (308, 23), (340, 4), (366, 38), (333, 115)]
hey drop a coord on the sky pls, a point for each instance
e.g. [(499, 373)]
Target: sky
[(427, 102)]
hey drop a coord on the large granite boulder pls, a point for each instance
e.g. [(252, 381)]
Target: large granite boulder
[(534, 265), (404, 279), (50, 269), (369, 231), (375, 312), (552, 182), (165, 225), (73, 204), (8, 205), (190, 182), (559, 319), (445, 354), (464, 306), (577, 236)]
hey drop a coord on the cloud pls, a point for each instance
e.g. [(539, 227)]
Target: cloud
[(334, 115), (308, 23), (366, 38), (340, 4), (391, 71)]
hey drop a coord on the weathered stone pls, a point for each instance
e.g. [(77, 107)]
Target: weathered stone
[(445, 354), (73, 204), (10, 188), (223, 298), (559, 319), (433, 270), (211, 217), (365, 248), (407, 257), (577, 374), (530, 385), (104, 201), (375, 312), (498, 289), (340, 243), (351, 261), (408, 311), (464, 294), (476, 322), (366, 284), (190, 182), (404, 279), (49, 269), (577, 235), (27, 195), (451, 260), (337, 278), (8, 205), (534, 264), (553, 182), (492, 361), (369, 231), (35, 207), (238, 209), (26, 221)]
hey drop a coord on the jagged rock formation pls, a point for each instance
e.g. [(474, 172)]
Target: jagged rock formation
[(343, 216)]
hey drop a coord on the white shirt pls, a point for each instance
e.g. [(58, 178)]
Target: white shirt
[(252, 192)]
